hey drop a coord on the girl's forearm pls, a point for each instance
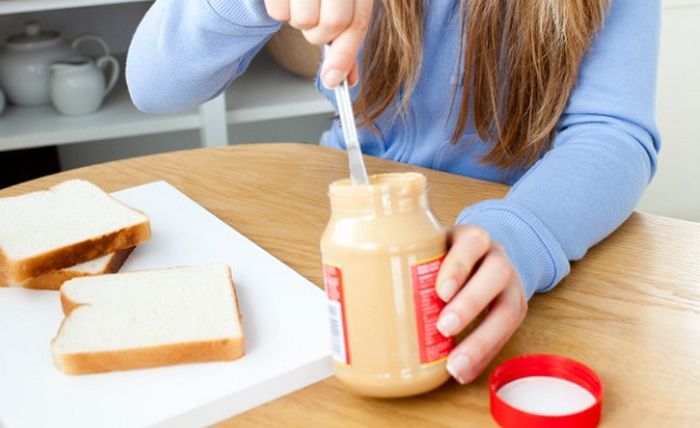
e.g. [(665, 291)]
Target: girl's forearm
[(186, 52)]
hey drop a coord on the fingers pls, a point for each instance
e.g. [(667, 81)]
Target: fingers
[(354, 75), (491, 282), (278, 9), (341, 57), (471, 357), (469, 245), (335, 17), (493, 276), (304, 14), (343, 23)]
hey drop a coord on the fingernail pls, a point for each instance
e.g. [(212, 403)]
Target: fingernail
[(457, 365), (448, 324), (447, 289), (332, 78)]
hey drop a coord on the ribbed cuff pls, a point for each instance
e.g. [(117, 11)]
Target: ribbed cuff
[(536, 254), (244, 13)]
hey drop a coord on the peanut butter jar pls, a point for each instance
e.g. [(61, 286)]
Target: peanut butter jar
[(382, 250)]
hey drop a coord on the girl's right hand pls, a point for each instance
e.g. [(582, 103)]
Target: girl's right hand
[(342, 22)]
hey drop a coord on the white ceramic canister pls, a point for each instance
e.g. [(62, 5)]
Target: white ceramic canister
[(79, 85)]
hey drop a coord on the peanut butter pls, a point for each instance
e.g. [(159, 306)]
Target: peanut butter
[(381, 252)]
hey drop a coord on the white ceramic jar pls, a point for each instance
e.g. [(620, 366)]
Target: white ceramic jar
[(79, 85), (25, 61)]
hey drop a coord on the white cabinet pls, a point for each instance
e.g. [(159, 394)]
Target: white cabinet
[(266, 92)]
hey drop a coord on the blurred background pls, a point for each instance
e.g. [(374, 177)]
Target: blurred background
[(274, 101)]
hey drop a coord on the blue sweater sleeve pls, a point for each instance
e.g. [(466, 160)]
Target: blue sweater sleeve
[(603, 156), (186, 52)]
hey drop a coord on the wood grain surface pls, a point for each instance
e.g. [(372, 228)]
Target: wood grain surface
[(630, 309)]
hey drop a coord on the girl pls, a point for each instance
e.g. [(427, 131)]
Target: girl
[(555, 97)]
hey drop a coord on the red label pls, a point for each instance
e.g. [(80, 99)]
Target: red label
[(433, 345), (333, 280)]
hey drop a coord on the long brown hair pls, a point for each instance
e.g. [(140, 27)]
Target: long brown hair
[(521, 60)]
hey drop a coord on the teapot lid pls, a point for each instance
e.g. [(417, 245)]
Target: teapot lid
[(33, 34)]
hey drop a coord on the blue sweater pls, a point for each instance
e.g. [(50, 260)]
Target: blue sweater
[(604, 154)]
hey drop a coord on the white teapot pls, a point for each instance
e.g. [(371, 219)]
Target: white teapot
[(25, 61), (78, 85)]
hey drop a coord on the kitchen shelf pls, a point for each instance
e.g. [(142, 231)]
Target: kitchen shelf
[(26, 127), (266, 91), (8, 7)]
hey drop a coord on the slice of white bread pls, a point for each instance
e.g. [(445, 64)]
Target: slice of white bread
[(69, 224), (148, 318), (53, 280)]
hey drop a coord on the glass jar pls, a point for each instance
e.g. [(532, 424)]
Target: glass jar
[(382, 250)]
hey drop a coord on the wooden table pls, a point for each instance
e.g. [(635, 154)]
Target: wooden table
[(630, 310)]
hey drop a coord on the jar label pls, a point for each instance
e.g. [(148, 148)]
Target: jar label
[(433, 346), (333, 281)]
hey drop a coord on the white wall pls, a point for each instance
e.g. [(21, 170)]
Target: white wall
[(675, 190)]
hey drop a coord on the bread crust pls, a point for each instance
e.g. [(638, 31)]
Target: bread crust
[(54, 279), (81, 252), (226, 349), (68, 305), (117, 261), (153, 356)]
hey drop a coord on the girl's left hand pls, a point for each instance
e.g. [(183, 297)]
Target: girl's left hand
[(477, 275)]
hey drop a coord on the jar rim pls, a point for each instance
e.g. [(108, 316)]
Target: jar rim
[(380, 183)]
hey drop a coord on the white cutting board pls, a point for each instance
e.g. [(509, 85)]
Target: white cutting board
[(284, 320)]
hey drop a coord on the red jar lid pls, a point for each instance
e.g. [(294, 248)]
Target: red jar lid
[(558, 370)]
